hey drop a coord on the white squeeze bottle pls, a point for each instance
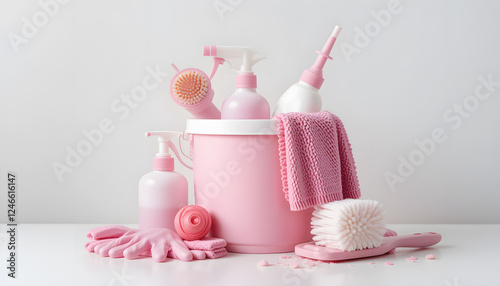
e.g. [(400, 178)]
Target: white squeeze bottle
[(162, 192), (303, 96)]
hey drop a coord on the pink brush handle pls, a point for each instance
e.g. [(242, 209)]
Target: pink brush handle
[(208, 112), (415, 240)]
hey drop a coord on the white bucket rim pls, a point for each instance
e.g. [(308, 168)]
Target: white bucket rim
[(232, 127)]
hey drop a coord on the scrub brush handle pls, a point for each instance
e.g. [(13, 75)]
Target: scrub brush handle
[(210, 111), (417, 239)]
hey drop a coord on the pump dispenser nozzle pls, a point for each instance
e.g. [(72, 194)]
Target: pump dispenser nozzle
[(164, 160)]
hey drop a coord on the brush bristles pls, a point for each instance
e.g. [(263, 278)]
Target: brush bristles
[(349, 224), (190, 87)]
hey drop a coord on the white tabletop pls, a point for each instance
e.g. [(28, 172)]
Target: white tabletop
[(54, 254)]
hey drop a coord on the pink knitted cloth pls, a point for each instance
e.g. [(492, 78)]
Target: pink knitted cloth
[(317, 166), (206, 243)]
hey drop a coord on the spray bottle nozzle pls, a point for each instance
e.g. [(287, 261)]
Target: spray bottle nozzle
[(314, 75), (241, 58)]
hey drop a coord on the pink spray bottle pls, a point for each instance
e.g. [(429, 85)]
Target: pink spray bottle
[(245, 102)]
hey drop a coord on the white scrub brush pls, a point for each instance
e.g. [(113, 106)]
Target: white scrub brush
[(349, 225)]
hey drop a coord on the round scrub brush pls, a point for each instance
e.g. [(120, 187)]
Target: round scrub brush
[(349, 225), (191, 89)]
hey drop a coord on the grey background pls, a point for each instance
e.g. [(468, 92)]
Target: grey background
[(393, 89)]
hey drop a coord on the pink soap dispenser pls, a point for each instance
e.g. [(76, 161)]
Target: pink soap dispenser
[(245, 102), (162, 192)]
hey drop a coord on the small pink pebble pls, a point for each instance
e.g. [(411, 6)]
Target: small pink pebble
[(371, 263), (295, 266), (285, 256), (411, 258), (351, 265), (389, 263), (430, 257), (263, 262)]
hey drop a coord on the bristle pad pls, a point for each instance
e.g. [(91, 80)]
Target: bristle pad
[(349, 224), (190, 87)]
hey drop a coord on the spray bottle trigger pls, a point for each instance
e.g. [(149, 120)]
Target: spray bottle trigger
[(258, 57), (217, 62)]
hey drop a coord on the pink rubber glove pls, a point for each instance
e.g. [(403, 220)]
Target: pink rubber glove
[(109, 231), (104, 238), (158, 241), (103, 235), (197, 254), (102, 247), (91, 245)]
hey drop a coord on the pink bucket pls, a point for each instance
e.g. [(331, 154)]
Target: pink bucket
[(237, 178)]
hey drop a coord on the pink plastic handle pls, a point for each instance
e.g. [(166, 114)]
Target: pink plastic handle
[(310, 250), (417, 239), (207, 111)]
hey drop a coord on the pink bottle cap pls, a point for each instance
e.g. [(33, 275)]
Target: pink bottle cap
[(164, 164), (246, 80), (192, 222)]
